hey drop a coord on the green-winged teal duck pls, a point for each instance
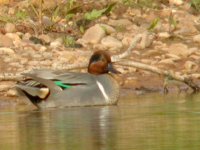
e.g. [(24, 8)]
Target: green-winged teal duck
[(46, 88)]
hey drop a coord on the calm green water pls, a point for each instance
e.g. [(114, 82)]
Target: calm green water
[(150, 122)]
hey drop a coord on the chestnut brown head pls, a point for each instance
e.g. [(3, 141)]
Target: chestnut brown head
[(100, 63)]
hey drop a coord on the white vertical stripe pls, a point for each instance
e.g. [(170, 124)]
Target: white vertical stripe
[(102, 90)]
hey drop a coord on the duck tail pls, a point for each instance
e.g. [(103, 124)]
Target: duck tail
[(34, 94)]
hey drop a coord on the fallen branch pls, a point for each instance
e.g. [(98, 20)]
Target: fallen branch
[(173, 75)]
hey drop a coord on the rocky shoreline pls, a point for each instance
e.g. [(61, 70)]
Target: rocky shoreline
[(172, 45)]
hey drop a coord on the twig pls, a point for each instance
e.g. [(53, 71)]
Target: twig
[(128, 52)]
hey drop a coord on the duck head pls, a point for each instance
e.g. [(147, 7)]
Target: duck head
[(100, 63)]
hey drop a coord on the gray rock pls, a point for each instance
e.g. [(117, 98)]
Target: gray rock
[(5, 41), (94, 34), (46, 21), (10, 28), (111, 42)]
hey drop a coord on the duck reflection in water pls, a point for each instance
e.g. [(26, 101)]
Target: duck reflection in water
[(88, 128)]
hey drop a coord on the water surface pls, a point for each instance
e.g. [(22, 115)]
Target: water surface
[(150, 122)]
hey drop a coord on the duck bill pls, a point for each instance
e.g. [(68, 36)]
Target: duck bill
[(112, 69)]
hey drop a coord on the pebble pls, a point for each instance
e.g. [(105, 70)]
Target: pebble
[(4, 87), (186, 26), (46, 21), (190, 66), (94, 34), (47, 55), (37, 56), (111, 42), (152, 53), (33, 63), (195, 57), (23, 61), (126, 41), (11, 11), (196, 38), (5, 50), (15, 64), (146, 61), (12, 92), (9, 28), (176, 2), (56, 43), (46, 63), (99, 46), (174, 57), (146, 41), (13, 36), (42, 49), (164, 35), (120, 22), (179, 49), (5, 41), (46, 38), (168, 61), (196, 75), (26, 36), (7, 59)]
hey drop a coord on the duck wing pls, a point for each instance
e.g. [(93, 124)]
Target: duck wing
[(64, 77), (41, 85)]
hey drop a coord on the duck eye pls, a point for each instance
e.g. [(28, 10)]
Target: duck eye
[(96, 58)]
